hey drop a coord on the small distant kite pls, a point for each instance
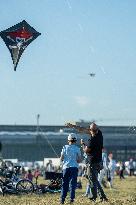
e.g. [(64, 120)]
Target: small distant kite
[(91, 74), (17, 38)]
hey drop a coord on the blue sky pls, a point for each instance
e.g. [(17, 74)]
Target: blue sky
[(77, 37)]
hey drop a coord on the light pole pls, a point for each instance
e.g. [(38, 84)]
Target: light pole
[(37, 128)]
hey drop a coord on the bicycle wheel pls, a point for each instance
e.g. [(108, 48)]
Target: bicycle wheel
[(24, 186)]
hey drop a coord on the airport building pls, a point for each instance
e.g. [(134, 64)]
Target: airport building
[(23, 143)]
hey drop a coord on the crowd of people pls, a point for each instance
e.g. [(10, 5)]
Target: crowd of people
[(105, 177)]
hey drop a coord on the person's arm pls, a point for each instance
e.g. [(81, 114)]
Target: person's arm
[(78, 128)]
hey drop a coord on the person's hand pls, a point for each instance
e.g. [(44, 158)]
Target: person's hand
[(69, 125), (82, 142)]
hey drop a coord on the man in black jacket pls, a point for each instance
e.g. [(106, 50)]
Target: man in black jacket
[(93, 149)]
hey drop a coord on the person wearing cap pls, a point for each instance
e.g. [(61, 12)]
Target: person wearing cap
[(70, 156), (93, 149)]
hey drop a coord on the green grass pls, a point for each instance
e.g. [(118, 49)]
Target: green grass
[(123, 193)]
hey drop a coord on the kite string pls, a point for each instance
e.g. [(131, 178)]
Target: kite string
[(49, 143)]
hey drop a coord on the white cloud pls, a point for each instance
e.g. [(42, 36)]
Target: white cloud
[(82, 100)]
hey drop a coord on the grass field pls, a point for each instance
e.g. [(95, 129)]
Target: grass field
[(123, 193)]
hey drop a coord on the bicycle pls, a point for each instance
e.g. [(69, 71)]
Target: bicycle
[(13, 184)]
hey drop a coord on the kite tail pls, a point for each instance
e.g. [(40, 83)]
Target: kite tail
[(15, 68)]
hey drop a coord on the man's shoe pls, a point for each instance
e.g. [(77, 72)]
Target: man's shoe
[(92, 199), (104, 199), (71, 201)]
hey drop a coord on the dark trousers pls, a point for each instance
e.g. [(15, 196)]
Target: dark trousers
[(121, 174), (92, 173), (131, 172), (69, 182)]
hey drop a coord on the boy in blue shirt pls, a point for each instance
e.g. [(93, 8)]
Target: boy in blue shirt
[(71, 156)]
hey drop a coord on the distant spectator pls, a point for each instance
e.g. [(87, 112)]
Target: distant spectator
[(111, 169), (42, 170), (23, 172), (36, 174), (121, 170), (103, 172), (0, 150), (29, 175), (49, 167), (131, 167)]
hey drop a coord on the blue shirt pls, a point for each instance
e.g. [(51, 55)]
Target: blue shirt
[(70, 154)]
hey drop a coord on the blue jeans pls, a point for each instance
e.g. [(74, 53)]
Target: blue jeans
[(93, 181), (69, 181)]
